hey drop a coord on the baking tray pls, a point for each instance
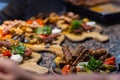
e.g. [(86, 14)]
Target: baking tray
[(104, 18)]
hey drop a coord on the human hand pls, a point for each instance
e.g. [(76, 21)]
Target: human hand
[(9, 70)]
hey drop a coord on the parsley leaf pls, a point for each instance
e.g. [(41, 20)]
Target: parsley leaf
[(46, 30), (93, 64), (76, 25), (18, 49), (39, 30)]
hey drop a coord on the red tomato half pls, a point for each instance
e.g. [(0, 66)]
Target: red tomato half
[(43, 36)]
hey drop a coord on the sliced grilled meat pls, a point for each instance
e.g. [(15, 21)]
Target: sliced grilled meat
[(97, 52), (78, 50), (67, 54), (79, 58), (27, 53)]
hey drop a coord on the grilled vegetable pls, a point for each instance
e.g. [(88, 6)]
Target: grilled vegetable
[(66, 69), (59, 60), (109, 67), (110, 61), (38, 21)]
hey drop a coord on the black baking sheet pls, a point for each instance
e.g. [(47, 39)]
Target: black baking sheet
[(105, 18)]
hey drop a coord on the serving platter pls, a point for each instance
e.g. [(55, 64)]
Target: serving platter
[(56, 71), (95, 34), (78, 62)]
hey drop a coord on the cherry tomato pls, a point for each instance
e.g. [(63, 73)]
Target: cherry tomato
[(7, 53), (42, 36)]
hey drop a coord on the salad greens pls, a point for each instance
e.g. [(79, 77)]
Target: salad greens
[(18, 49), (46, 30), (76, 24), (93, 64)]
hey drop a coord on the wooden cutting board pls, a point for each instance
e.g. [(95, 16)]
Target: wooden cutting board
[(32, 66), (95, 34), (55, 47)]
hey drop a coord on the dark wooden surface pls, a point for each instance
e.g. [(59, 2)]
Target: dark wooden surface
[(113, 46)]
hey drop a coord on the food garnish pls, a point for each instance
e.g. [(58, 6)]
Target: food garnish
[(93, 64), (46, 30), (19, 49)]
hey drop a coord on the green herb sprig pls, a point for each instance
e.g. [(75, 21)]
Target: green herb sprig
[(93, 64), (18, 49), (46, 30), (76, 24)]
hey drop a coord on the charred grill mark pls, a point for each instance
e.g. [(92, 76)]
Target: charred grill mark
[(79, 57)]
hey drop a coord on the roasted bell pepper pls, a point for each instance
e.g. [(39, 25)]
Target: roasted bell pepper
[(110, 61), (66, 69), (7, 36), (29, 21), (7, 53), (1, 32), (39, 21)]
